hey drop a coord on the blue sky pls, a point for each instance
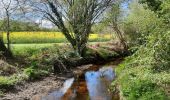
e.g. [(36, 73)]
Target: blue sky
[(38, 19)]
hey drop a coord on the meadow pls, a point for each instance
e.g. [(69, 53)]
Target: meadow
[(49, 37), (26, 43)]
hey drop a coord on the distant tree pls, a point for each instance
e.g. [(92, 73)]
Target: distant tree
[(100, 28), (161, 7), (154, 5), (113, 19), (19, 26), (9, 7), (140, 23), (79, 14)]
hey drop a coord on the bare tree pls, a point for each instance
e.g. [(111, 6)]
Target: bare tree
[(113, 19), (80, 15), (9, 7)]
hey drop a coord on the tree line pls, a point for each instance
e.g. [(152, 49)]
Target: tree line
[(20, 26)]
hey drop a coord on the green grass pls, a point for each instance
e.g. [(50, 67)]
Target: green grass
[(30, 49), (30, 73), (8, 81)]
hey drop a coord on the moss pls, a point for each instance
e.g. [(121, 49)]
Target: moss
[(105, 54), (6, 82), (33, 73)]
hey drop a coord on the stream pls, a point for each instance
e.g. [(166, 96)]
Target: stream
[(90, 85)]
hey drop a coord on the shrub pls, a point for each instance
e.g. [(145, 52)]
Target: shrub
[(33, 73), (6, 82), (145, 74), (140, 23)]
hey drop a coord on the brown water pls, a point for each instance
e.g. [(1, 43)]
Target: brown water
[(92, 85)]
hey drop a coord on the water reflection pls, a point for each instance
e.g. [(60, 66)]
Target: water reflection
[(93, 85), (98, 83), (57, 95)]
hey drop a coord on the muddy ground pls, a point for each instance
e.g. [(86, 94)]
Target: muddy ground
[(26, 90), (35, 89)]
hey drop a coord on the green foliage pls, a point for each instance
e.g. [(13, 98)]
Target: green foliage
[(165, 11), (105, 54), (101, 29), (34, 73), (9, 81), (145, 74), (140, 23), (19, 26), (6, 82), (161, 7), (155, 53), (161, 51), (154, 5)]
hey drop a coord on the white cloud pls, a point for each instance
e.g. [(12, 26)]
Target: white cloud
[(45, 23)]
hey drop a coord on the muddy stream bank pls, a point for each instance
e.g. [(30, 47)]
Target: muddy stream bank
[(89, 82)]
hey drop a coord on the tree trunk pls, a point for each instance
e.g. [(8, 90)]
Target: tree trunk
[(8, 31), (5, 52), (120, 36), (80, 49)]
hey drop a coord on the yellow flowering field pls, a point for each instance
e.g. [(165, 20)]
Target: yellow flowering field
[(49, 37)]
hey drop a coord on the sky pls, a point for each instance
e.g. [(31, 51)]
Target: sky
[(44, 23), (21, 16), (34, 16), (125, 8)]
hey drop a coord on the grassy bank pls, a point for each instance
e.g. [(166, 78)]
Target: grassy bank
[(30, 49), (146, 74)]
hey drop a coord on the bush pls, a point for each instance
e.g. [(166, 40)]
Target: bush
[(140, 23), (145, 75), (6, 82), (35, 73)]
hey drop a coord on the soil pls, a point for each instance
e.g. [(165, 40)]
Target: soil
[(35, 89), (26, 90)]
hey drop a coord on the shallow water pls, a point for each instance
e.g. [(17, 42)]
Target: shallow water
[(92, 85)]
